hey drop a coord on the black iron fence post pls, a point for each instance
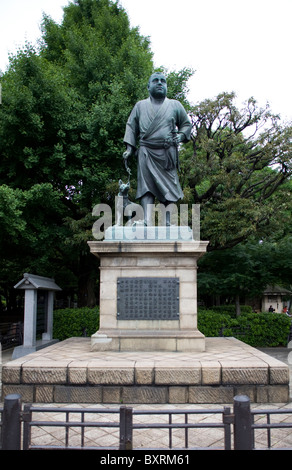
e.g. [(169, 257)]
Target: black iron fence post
[(26, 418), (227, 421), (126, 428), (242, 423), (11, 423)]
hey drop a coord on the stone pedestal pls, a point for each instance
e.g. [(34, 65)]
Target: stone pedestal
[(158, 262), (69, 372)]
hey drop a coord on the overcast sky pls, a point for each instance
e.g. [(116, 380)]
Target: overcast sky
[(233, 45)]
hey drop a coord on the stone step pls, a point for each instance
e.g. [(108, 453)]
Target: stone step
[(69, 372)]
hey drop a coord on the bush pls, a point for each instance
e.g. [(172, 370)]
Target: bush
[(267, 329), (210, 323), (255, 329), (231, 309), (69, 322)]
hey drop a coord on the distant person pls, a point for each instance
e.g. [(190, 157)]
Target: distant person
[(271, 309), (286, 311)]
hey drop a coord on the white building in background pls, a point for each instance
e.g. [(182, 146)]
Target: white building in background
[(276, 297)]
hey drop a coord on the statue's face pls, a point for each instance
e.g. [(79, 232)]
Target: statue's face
[(157, 86)]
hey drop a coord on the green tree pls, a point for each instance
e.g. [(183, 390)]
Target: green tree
[(244, 271), (62, 121), (238, 168), (237, 273), (37, 109), (235, 163)]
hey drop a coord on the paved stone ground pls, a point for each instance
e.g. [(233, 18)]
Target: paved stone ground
[(154, 438)]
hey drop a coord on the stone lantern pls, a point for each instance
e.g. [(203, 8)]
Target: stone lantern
[(34, 287)]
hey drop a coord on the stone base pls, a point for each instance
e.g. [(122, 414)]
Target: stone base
[(133, 340), (20, 351), (69, 372), (167, 323)]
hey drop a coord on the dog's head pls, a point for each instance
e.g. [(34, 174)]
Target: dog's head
[(123, 188)]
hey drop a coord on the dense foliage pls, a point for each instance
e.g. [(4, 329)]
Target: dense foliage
[(71, 322), (245, 270), (256, 329), (64, 107), (62, 121), (237, 160)]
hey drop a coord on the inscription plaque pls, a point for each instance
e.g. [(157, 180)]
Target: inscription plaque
[(148, 298)]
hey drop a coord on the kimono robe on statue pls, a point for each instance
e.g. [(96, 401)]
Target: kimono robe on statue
[(157, 154)]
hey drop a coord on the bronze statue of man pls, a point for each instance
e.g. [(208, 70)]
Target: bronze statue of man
[(159, 124)]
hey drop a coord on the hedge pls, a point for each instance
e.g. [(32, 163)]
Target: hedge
[(255, 329), (231, 309), (70, 322)]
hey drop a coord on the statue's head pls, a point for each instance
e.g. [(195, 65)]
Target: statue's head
[(157, 85)]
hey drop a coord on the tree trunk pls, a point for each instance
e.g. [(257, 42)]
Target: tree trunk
[(87, 292), (237, 305), (217, 300), (88, 282)]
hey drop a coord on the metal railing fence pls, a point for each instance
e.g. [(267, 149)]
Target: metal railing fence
[(69, 426), (186, 425), (265, 423), (76, 428)]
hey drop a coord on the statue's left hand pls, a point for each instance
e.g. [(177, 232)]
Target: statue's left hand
[(178, 138)]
